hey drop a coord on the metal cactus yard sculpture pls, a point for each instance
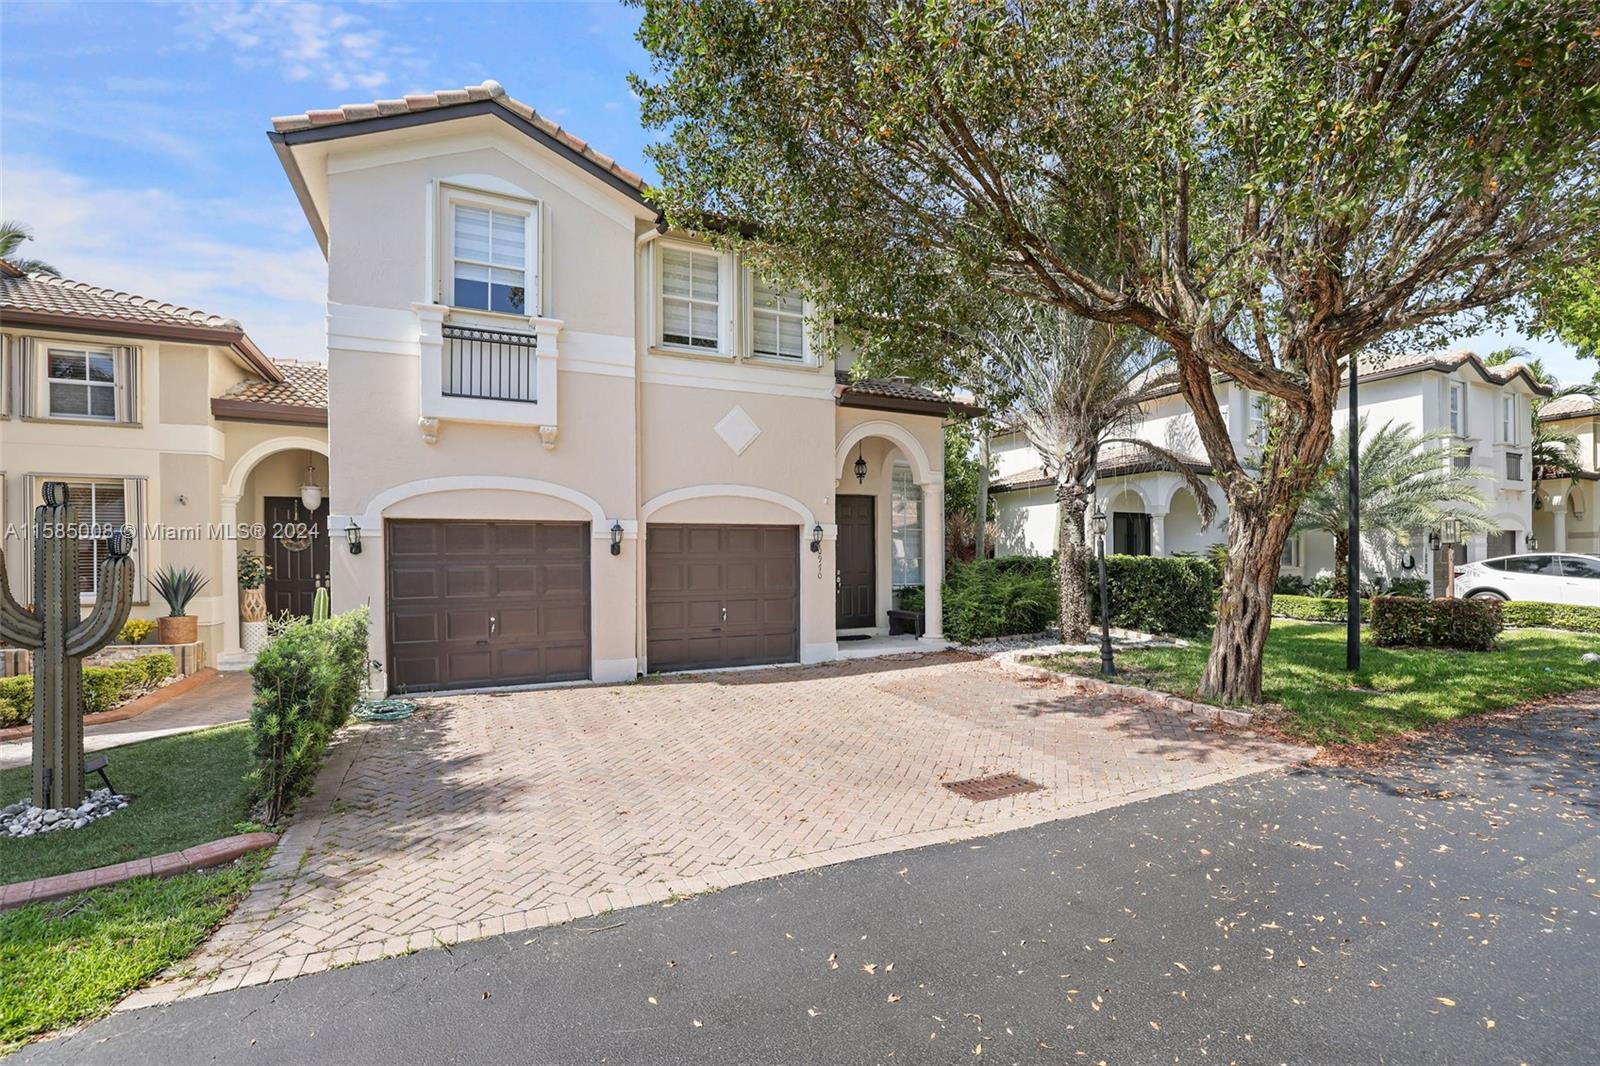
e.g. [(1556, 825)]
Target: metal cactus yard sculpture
[(60, 638)]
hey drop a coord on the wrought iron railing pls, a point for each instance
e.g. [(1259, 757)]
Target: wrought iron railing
[(490, 364)]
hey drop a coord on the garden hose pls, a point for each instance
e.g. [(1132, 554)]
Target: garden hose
[(384, 710)]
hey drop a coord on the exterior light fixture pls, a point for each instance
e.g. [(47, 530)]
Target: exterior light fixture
[(1450, 530), (1098, 521), (816, 537), (1532, 542), (616, 538), (1433, 540), (352, 536), (310, 494), (861, 467)]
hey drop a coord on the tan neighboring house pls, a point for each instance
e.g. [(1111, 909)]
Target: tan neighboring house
[(1564, 514), (162, 419), (572, 446)]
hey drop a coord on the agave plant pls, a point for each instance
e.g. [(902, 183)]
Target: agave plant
[(177, 585)]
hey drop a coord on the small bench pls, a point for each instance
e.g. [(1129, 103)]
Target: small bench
[(901, 622)]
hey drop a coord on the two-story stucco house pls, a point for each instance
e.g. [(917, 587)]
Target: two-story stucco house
[(567, 445), (1564, 516), (166, 421), (1485, 409)]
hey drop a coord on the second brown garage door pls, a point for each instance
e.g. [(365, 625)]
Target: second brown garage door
[(482, 604), (721, 596)]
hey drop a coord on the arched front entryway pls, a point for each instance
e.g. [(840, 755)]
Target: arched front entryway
[(889, 512), (261, 477)]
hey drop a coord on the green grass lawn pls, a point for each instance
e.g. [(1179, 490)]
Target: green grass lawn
[(187, 789), (73, 959), (1397, 690)]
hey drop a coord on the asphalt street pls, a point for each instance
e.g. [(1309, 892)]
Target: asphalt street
[(1442, 908)]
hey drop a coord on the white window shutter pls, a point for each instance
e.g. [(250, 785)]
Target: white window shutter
[(28, 382), (127, 361)]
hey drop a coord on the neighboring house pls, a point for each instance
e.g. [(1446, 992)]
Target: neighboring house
[(1151, 511), (1564, 515), (570, 446), (163, 420)]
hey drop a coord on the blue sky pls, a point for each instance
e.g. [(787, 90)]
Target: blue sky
[(132, 136)]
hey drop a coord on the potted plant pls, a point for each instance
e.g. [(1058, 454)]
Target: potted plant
[(253, 573), (177, 586)]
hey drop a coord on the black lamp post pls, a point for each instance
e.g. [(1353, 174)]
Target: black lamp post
[(1107, 666), (1450, 531), (1352, 631)]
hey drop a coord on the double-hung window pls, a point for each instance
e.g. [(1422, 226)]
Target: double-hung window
[(101, 507), (1290, 556), (1508, 418), (778, 322), (691, 299), (1458, 408), (81, 383), (905, 526), (493, 245)]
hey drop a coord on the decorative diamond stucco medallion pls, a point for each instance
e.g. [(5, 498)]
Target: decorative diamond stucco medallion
[(737, 430)]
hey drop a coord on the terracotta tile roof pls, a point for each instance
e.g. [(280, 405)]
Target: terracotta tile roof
[(47, 294), (898, 390), (44, 299), (301, 397), (419, 102), (1569, 407), (1116, 463)]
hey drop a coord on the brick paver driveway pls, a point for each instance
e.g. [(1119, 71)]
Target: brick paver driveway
[(484, 815)]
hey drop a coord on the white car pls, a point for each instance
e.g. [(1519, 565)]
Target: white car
[(1545, 577)]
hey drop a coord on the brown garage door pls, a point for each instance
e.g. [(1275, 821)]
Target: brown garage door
[(721, 596), (477, 604)]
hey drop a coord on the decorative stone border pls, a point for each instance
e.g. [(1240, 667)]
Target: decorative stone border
[(189, 658), (1077, 683), (132, 709), (199, 857)]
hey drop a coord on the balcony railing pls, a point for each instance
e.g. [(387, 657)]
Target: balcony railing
[(490, 364)]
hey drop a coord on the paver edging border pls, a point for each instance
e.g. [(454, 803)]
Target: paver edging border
[(132, 709), (1077, 683), (199, 857)]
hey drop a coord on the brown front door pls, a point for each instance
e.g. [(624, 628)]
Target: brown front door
[(721, 596), (297, 548), (485, 604), (856, 586)]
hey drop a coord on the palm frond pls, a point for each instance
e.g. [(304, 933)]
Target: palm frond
[(1173, 462)]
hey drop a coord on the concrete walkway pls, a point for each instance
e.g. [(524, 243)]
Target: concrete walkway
[(225, 698)]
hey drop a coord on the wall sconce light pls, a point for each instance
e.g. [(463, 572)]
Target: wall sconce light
[(616, 538), (352, 536), (1532, 542), (1433, 540), (816, 537), (861, 467)]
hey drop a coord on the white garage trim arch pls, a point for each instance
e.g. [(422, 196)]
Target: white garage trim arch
[(371, 521)]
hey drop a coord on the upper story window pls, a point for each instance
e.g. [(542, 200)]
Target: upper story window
[(778, 321), (1458, 408), (691, 299), (1257, 412), (81, 383), (1508, 419), (493, 257)]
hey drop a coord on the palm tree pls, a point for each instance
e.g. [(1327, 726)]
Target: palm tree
[(1074, 388), (12, 234), (1407, 482)]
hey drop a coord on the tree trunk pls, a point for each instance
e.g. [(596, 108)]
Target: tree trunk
[(1341, 568), (1256, 536), (1072, 565)]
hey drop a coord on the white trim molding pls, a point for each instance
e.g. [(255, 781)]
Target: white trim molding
[(371, 520), (901, 437), (751, 492), (233, 485)]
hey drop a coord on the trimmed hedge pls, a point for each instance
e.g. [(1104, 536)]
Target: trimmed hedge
[(306, 682), (1158, 594), (999, 597), (1409, 621), (104, 687), (1551, 615), (1315, 608), (1017, 594)]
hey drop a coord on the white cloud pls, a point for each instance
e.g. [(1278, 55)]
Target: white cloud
[(306, 42), (227, 256)]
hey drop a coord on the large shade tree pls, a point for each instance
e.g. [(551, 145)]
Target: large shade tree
[(1076, 389), (1266, 186)]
